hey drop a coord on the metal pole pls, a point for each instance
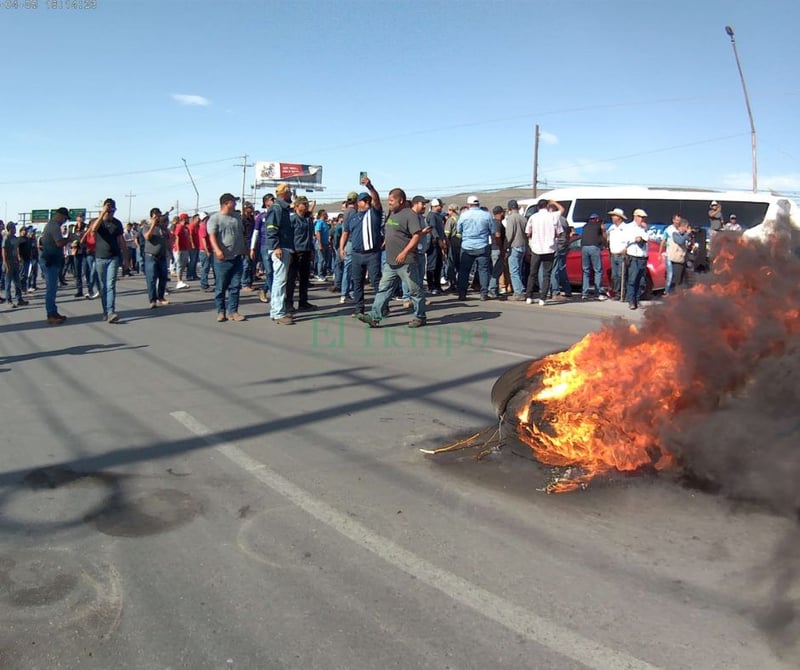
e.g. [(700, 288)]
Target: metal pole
[(729, 31), (536, 162), (194, 186), (130, 196)]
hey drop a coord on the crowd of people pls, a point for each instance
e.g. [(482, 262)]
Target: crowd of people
[(400, 251)]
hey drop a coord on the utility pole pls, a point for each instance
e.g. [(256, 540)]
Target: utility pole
[(130, 196), (244, 165), (194, 186), (729, 30), (536, 162)]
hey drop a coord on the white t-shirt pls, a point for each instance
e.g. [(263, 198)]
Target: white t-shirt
[(542, 228)]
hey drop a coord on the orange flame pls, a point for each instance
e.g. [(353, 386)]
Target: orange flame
[(604, 404)]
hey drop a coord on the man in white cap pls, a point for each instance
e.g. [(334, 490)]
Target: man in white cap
[(636, 250), (474, 229)]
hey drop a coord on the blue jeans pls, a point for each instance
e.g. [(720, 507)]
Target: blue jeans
[(668, 283), (12, 281), (266, 261), (363, 264), (248, 271), (591, 261), (319, 255), (51, 275), (33, 274), (191, 273), (280, 275), (390, 275), (347, 278), (338, 267), (107, 278), (156, 273), (617, 263), (636, 269), (80, 264), (206, 261), (92, 284), (498, 263), (468, 257), (559, 280), (227, 284), (515, 259)]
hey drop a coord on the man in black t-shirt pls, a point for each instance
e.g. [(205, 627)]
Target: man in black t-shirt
[(109, 246), (402, 234), (593, 238)]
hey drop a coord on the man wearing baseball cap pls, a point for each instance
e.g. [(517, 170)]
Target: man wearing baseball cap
[(226, 236), (475, 228)]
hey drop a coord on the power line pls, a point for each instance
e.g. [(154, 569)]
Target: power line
[(108, 176)]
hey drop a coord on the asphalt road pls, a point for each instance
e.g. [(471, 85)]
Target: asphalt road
[(179, 493)]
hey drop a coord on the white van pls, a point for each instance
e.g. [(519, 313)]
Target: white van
[(751, 209)]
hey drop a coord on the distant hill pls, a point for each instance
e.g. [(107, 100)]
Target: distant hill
[(488, 198)]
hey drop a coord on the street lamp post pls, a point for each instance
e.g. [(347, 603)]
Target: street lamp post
[(729, 31), (194, 186), (130, 196)]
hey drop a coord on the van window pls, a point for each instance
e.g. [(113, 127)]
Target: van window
[(531, 210)]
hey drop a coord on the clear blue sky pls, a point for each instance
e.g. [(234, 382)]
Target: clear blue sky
[(436, 97)]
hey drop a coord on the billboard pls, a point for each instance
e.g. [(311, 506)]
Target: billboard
[(272, 173), (44, 215)]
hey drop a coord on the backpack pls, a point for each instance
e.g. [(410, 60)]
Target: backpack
[(676, 253)]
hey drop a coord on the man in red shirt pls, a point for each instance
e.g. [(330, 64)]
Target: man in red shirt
[(194, 250), (183, 244)]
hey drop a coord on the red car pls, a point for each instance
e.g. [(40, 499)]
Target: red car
[(655, 279)]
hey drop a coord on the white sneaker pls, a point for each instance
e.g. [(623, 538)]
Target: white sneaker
[(541, 303), (342, 300), (602, 297), (181, 284), (529, 301)]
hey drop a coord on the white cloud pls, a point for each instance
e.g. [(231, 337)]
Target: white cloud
[(548, 138), (789, 183), (192, 100)]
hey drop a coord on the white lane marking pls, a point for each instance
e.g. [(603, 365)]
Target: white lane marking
[(513, 617), (511, 353)]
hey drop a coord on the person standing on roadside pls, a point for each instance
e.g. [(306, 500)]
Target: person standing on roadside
[(258, 247), (182, 241), (206, 252), (302, 258), (79, 258), (498, 257), (437, 247), (402, 234), (542, 230), (248, 264), (636, 250), (517, 244), (593, 239), (363, 233), (279, 247), (475, 228), (51, 259), (226, 236), (156, 252), (109, 247), (663, 250), (12, 265), (194, 247)]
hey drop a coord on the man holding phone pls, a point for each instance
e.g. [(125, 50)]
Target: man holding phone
[(110, 245)]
